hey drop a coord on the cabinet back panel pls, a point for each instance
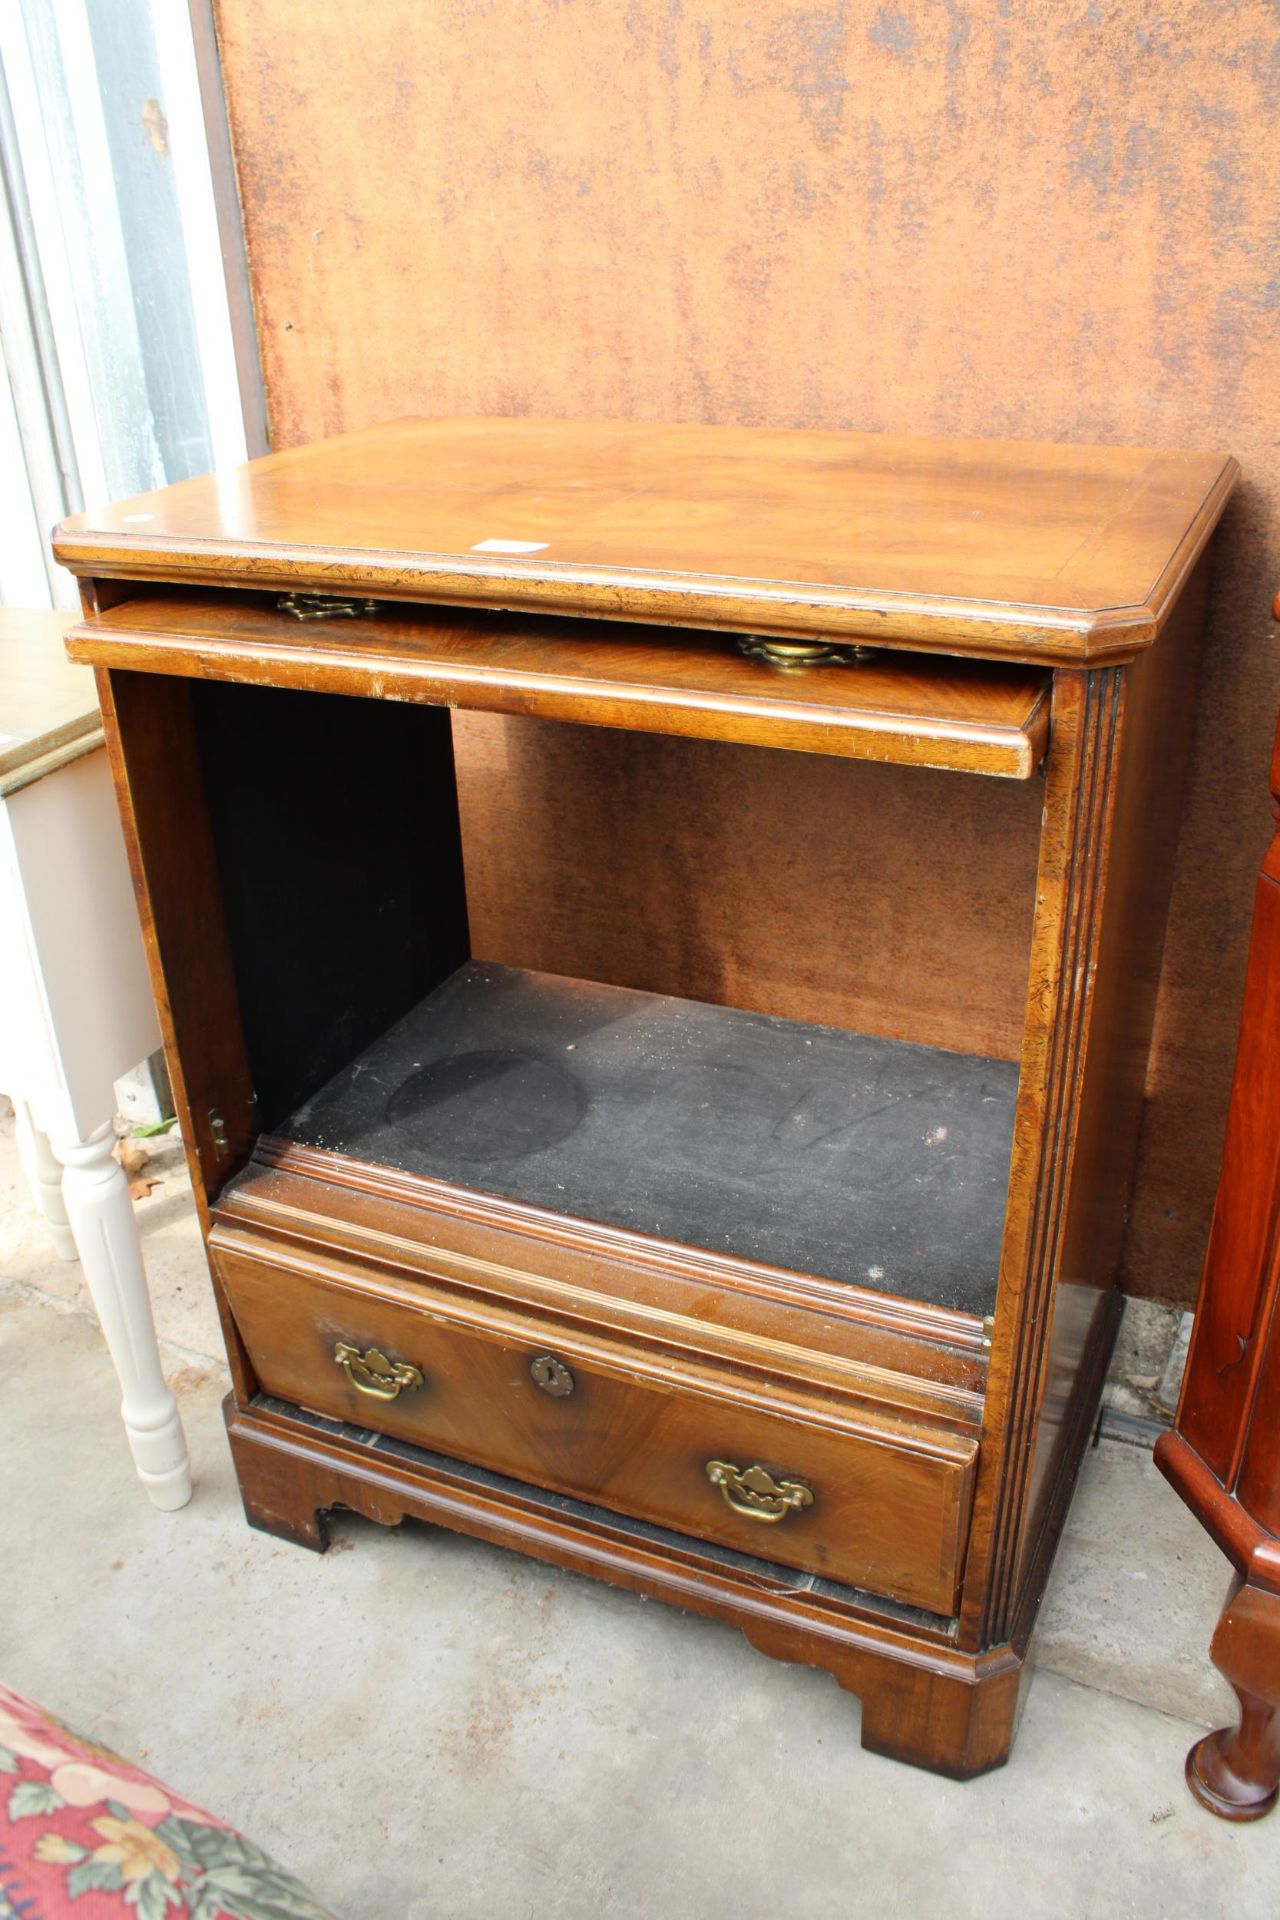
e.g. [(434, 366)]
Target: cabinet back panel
[(889, 900)]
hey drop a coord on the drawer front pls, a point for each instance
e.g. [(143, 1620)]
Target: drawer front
[(704, 1455)]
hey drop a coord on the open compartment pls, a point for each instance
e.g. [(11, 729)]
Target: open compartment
[(694, 990)]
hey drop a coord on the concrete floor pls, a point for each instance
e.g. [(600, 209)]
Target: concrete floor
[(424, 1726)]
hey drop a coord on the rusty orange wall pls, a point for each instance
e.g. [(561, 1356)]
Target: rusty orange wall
[(1035, 218)]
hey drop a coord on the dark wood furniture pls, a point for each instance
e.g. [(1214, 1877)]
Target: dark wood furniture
[(642, 1155), (1223, 1453)]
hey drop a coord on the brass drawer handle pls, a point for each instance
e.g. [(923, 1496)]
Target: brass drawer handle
[(371, 1372), (755, 1494)]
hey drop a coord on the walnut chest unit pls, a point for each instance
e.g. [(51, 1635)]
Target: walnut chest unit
[(657, 930)]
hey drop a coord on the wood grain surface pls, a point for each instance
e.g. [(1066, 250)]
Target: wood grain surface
[(911, 711), (1232, 1385), (885, 1354), (1050, 552), (1057, 223), (812, 888), (889, 1508)]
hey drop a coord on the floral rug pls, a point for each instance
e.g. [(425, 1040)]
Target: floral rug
[(84, 1834)]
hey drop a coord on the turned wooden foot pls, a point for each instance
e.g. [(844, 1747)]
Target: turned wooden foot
[(1235, 1772)]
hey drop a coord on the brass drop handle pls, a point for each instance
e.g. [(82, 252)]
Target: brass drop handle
[(371, 1372), (755, 1494)]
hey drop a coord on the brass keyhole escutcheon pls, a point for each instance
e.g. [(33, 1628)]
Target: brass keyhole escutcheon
[(371, 1372), (552, 1376), (755, 1494)]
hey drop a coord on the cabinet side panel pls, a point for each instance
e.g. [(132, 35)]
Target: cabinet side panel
[(1133, 884), (156, 763), (1240, 1274), (156, 766), (1258, 1487), (336, 828), (1086, 713)]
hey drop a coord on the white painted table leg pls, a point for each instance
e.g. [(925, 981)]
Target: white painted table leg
[(106, 1234), (44, 1177)]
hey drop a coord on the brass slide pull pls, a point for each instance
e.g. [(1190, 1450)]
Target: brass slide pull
[(755, 1494), (371, 1372), (324, 606)]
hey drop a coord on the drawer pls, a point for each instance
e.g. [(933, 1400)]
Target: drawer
[(790, 1476)]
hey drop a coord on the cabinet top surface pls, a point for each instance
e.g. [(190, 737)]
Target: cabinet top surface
[(1060, 551)]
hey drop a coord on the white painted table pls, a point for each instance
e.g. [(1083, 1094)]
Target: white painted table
[(76, 1011)]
